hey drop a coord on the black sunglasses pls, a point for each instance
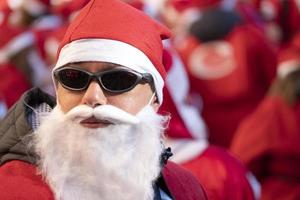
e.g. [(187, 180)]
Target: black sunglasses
[(115, 80)]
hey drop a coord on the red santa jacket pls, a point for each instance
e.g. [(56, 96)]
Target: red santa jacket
[(19, 180), (222, 176), (268, 143)]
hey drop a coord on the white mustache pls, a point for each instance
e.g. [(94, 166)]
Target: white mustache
[(105, 112)]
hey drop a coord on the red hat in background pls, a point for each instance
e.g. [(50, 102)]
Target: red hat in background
[(13, 40), (288, 61), (112, 31)]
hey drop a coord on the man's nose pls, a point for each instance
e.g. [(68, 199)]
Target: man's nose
[(94, 95)]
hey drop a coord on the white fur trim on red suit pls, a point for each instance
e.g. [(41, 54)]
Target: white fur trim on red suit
[(185, 150), (106, 50)]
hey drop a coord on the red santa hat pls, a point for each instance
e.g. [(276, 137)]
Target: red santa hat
[(13, 40), (113, 31), (288, 61)]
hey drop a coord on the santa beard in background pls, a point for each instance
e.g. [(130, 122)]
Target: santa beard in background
[(118, 162)]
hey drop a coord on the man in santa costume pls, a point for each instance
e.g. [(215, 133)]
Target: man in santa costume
[(102, 140), (14, 77)]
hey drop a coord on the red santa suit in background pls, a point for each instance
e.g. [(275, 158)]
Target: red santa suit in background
[(222, 176), (44, 55), (268, 140), (13, 82), (12, 85), (231, 74)]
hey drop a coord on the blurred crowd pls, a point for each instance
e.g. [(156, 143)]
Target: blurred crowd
[(232, 88)]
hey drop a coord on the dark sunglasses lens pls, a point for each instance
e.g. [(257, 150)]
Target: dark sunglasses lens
[(118, 81), (73, 78)]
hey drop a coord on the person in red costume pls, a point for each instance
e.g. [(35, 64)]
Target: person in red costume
[(231, 66), (281, 19), (23, 13), (222, 176), (13, 84), (103, 138), (268, 140), (14, 80)]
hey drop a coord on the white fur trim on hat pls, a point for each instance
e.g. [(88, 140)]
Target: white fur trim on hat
[(106, 50), (287, 67)]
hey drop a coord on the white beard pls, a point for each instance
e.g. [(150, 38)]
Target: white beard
[(119, 162)]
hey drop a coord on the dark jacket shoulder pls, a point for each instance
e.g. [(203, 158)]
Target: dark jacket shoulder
[(15, 126)]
